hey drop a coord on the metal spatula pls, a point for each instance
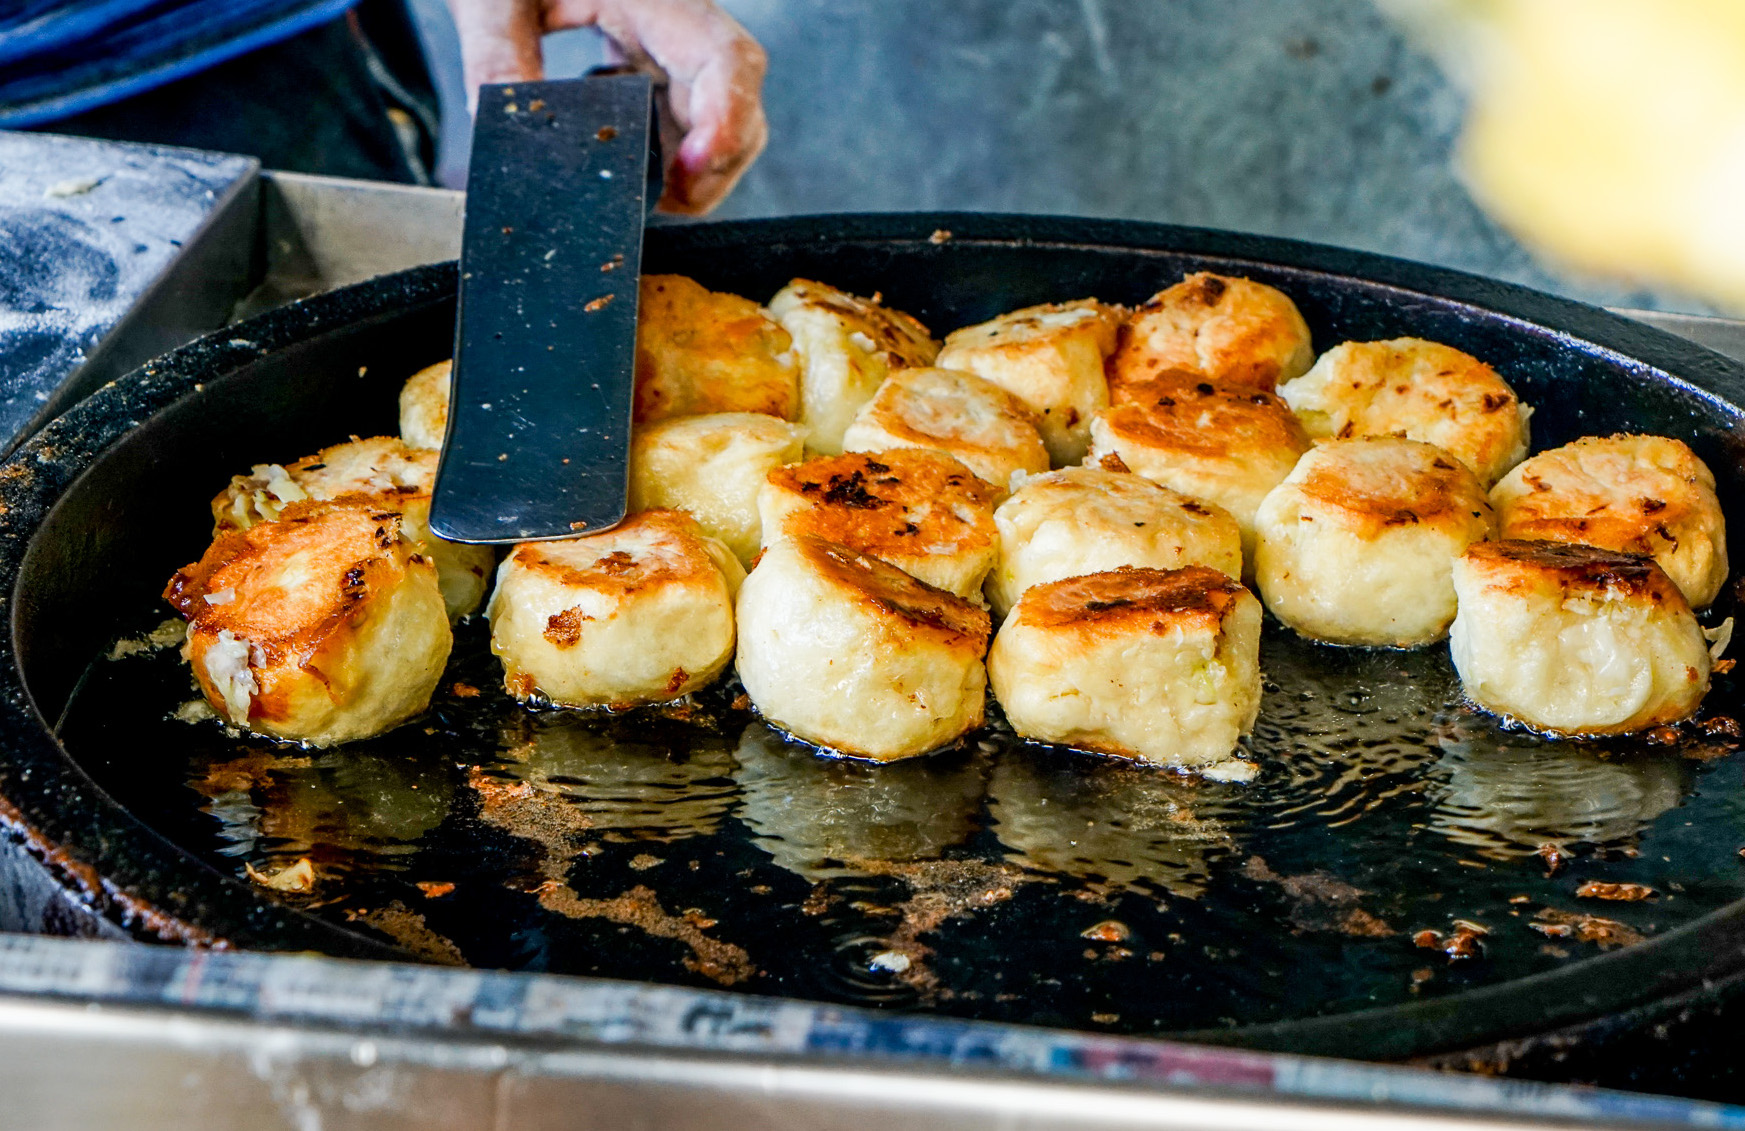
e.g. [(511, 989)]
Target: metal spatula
[(545, 343)]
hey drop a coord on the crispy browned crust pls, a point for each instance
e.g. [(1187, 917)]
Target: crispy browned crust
[(1257, 325), (1566, 506), (1461, 389), (1519, 565), (1130, 598), (381, 468), (901, 337), (349, 549), (329, 472), (699, 351), (990, 429), (595, 562), (1425, 485), (1020, 331), (871, 501), (892, 592), (1198, 415)]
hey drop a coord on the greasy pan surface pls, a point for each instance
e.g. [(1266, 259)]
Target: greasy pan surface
[(701, 851)]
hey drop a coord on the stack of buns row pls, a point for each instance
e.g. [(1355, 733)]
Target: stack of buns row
[(845, 508)]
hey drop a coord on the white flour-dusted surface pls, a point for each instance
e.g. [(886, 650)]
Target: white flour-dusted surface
[(86, 227)]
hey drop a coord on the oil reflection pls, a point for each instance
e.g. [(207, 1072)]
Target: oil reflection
[(620, 777), (822, 817), (1507, 798), (1122, 825)]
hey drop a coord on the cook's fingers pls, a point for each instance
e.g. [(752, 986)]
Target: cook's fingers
[(499, 42), (726, 131), (715, 69)]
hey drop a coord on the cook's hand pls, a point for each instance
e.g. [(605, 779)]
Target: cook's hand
[(713, 66)]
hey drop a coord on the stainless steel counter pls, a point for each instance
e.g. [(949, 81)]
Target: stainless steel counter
[(97, 1035)]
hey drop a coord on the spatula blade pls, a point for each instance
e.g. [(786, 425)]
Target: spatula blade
[(539, 414)]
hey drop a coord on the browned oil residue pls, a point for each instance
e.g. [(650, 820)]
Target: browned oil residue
[(1321, 902), (718, 961), (240, 775), (408, 928), (940, 890), (547, 819)]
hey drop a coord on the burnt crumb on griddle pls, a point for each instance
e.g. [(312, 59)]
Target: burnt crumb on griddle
[(1555, 858), (1459, 944), (1719, 726), (1623, 893), (1605, 933)]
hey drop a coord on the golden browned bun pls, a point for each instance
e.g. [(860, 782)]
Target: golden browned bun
[(919, 510), (1158, 665), (699, 351), (1357, 545), (1051, 357), (641, 613), (847, 652), (1208, 439), (1638, 494), (847, 346), (324, 626), (1218, 326), (1082, 520), (1417, 389), (712, 467), (989, 430), (1574, 639), (383, 470), (424, 406)]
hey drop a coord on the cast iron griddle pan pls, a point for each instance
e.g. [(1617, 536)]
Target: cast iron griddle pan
[(998, 880)]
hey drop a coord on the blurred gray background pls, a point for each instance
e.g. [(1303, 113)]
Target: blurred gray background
[(1306, 118)]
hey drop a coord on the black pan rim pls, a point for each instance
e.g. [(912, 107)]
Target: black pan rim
[(54, 806)]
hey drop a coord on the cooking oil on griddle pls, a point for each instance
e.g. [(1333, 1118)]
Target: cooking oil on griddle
[(1395, 845)]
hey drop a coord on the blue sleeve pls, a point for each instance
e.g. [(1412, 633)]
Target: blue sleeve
[(60, 57)]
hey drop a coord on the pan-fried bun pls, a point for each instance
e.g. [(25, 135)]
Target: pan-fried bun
[(1082, 520), (989, 430), (424, 406), (712, 467), (847, 347), (1209, 439), (919, 510), (847, 652), (1218, 326), (324, 626), (699, 351), (641, 613), (1417, 389), (385, 470), (1158, 665), (1356, 546), (1051, 357), (1574, 639), (1638, 494)]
